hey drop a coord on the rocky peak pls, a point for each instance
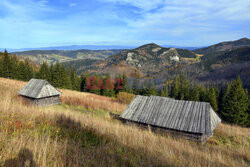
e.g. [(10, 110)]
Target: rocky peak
[(172, 53)]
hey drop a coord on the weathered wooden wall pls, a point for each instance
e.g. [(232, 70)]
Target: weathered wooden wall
[(53, 100), (198, 137)]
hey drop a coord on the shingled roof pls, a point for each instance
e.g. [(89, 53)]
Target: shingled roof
[(180, 115), (37, 88)]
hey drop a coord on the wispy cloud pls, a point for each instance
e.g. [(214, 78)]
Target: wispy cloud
[(43, 3), (32, 23), (145, 5), (72, 4)]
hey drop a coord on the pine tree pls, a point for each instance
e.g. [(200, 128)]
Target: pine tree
[(236, 104), (108, 87), (248, 109), (145, 91), (83, 78), (21, 72), (129, 88), (44, 72), (175, 89), (203, 94), (14, 67), (65, 81), (125, 83), (152, 88), (164, 91), (184, 90), (75, 81), (136, 89), (195, 93), (213, 99), (28, 70), (118, 84), (6, 65), (51, 70), (96, 87), (56, 75)]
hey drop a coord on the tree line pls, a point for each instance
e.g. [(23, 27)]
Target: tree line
[(231, 102)]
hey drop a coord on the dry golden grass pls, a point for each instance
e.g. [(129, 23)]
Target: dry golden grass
[(61, 137), (91, 101), (125, 98)]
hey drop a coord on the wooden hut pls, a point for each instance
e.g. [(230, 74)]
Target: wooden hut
[(40, 92), (194, 120)]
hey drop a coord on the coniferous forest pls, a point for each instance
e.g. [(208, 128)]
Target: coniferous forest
[(231, 101)]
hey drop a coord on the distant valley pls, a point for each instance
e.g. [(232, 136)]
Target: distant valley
[(53, 56), (218, 63)]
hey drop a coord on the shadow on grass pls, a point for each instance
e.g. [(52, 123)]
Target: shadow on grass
[(24, 159), (85, 147)]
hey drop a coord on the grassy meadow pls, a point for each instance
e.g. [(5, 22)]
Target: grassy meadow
[(80, 132)]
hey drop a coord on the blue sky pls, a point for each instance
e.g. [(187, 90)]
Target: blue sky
[(42, 23)]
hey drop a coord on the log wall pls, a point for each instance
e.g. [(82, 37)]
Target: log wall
[(53, 100)]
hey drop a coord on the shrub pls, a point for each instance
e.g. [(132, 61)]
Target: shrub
[(124, 97)]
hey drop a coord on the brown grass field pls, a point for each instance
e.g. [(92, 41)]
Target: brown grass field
[(80, 132)]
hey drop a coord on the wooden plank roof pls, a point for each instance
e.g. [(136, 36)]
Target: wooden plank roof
[(37, 88), (187, 116)]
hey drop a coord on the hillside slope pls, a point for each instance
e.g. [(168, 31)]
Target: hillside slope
[(223, 46), (80, 132), (52, 56), (148, 60)]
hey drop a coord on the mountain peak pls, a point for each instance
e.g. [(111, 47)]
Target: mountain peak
[(150, 45), (244, 39)]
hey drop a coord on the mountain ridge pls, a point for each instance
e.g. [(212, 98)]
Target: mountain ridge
[(223, 46)]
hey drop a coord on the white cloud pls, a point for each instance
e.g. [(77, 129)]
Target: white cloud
[(178, 22), (197, 15), (43, 3), (72, 4), (145, 5)]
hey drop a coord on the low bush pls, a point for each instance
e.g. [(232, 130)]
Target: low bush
[(124, 97)]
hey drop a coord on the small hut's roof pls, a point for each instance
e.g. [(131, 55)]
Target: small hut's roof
[(37, 88), (180, 115)]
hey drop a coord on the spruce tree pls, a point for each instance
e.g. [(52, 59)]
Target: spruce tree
[(65, 81), (84, 78), (203, 94), (44, 72), (28, 70), (108, 87), (236, 104), (164, 91), (152, 88), (51, 70), (6, 65), (118, 84), (21, 72), (96, 87), (14, 67), (213, 99), (56, 75), (195, 95), (129, 88), (175, 89), (184, 90), (136, 89), (75, 80), (125, 82), (248, 109)]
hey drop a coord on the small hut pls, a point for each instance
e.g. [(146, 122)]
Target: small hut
[(40, 92), (193, 120)]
